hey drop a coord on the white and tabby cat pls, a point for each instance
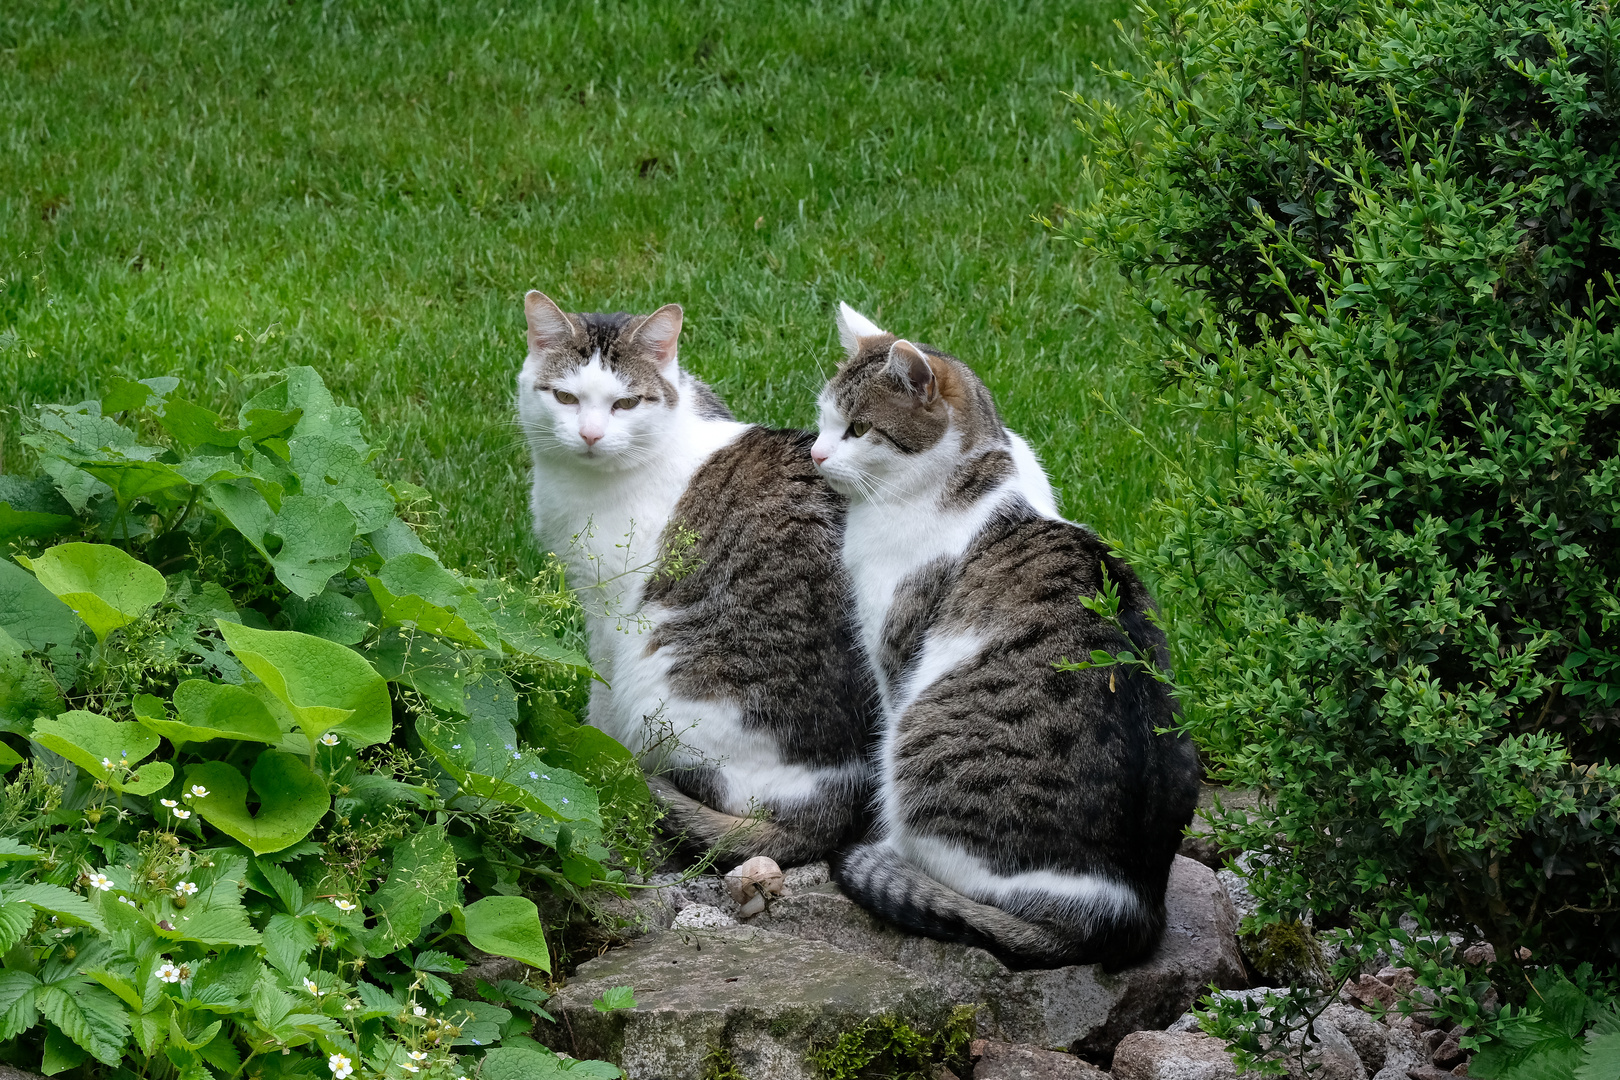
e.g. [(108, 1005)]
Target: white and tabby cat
[(737, 639), (1031, 811)]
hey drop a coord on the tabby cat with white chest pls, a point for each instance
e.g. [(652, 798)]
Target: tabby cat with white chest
[(1031, 811), (706, 555)]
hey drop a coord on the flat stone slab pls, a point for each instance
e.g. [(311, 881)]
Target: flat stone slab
[(1082, 1008), (765, 998)]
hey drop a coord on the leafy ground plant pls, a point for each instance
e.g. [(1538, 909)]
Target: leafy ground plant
[(273, 771)]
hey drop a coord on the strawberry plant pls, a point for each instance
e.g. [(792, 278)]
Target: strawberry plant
[(273, 774)]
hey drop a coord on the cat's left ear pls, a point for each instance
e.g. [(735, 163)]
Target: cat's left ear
[(548, 326), (912, 368), (659, 333)]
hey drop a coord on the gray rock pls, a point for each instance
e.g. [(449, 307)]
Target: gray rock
[(8, 1073), (806, 877), (1330, 1056), (994, 1060), (1368, 1036), (1200, 844), (1083, 1008), (1237, 890), (701, 917), (764, 997), (1402, 1051), (1172, 1055)]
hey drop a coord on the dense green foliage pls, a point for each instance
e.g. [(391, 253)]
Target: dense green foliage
[(193, 189), (1394, 222), (270, 765)]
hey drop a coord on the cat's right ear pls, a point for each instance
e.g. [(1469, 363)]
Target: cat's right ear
[(548, 326), (912, 368), (854, 328)]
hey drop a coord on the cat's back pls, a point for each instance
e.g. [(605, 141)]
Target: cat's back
[(1075, 751), (755, 603)]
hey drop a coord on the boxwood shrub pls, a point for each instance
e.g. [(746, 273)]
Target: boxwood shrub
[(1378, 241)]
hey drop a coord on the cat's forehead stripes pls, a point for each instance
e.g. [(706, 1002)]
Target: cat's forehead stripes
[(866, 390), (609, 340)]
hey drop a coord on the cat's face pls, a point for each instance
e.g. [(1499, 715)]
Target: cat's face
[(897, 418), (599, 390)]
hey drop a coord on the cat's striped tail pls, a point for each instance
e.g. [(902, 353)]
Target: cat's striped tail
[(878, 878), (792, 840)]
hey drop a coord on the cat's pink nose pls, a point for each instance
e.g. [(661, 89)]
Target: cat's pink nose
[(591, 437), (818, 455)]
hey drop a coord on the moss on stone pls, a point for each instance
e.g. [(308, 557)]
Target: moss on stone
[(720, 1065), (1287, 950), (888, 1047)]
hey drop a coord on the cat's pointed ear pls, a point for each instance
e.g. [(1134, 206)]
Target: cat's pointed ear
[(853, 326), (911, 367), (659, 333), (548, 326)]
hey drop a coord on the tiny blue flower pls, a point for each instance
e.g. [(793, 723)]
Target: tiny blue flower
[(565, 802), (509, 746), (534, 776), (455, 746), (545, 778)]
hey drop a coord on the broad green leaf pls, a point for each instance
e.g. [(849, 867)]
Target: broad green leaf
[(523, 1063), (203, 470), (66, 905), (8, 757), (244, 506), (15, 919), (18, 998), (119, 393), (292, 800), (508, 926), (30, 506), (287, 888), (397, 538), (225, 924), (31, 613), (432, 668), (107, 749), (316, 533), (486, 761), (1600, 1057), (14, 851), (89, 1015), (328, 467), (422, 885), (209, 710), (287, 941), (303, 389), (193, 426), (131, 480), (61, 1053), (326, 686), (617, 997), (15, 523), (27, 691), (118, 984), (413, 612), (332, 615), (105, 586)]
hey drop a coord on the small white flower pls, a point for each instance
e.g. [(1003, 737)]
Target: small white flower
[(170, 803), (186, 888), (199, 791), (182, 814), (348, 1006), (100, 881), (106, 763), (126, 900), (410, 1068), (417, 1010), (455, 746), (417, 1055), (329, 739), (340, 1065), (344, 905), (168, 972), (309, 984)]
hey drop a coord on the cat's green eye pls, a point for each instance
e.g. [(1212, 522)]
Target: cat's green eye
[(857, 430), (627, 403), (565, 397)]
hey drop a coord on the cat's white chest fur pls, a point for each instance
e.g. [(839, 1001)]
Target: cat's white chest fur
[(605, 525)]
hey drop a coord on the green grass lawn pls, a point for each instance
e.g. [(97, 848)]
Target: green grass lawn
[(209, 191)]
